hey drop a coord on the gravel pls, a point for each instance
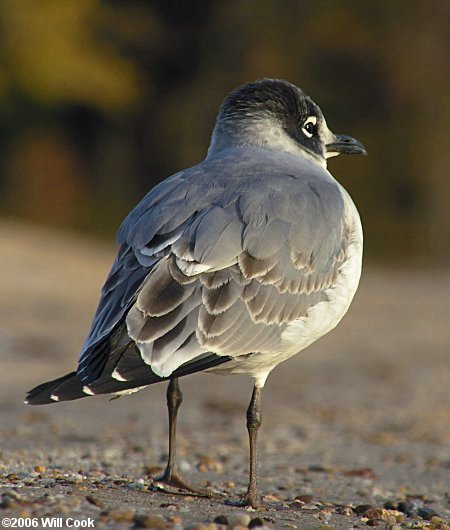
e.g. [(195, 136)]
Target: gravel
[(355, 430)]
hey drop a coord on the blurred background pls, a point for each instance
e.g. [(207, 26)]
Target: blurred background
[(99, 100)]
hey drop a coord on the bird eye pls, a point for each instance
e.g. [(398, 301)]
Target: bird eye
[(309, 127)]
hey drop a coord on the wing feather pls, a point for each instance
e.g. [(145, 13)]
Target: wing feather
[(214, 264)]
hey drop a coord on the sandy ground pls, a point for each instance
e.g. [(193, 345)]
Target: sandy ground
[(356, 430)]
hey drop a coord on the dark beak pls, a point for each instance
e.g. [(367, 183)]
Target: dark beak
[(345, 145)]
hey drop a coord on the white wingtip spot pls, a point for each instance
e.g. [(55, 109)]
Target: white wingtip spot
[(26, 402), (54, 397), (128, 391), (115, 375), (88, 391)]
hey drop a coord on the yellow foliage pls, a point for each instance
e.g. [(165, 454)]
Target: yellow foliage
[(57, 56)]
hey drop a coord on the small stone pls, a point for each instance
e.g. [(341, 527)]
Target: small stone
[(238, 519), (7, 501), (138, 485), (362, 473), (398, 516), (153, 471), (121, 515), (144, 520), (304, 498), (427, 513), (184, 466), (373, 513), (372, 522), (200, 526), (401, 506), (319, 469), (39, 469), (312, 506), (272, 498), (407, 507), (94, 501), (221, 519), (362, 508), (256, 522), (296, 505), (207, 463), (175, 519)]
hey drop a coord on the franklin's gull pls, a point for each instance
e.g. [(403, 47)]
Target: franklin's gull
[(231, 266)]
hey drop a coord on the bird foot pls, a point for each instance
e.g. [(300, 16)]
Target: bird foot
[(172, 480), (250, 499)]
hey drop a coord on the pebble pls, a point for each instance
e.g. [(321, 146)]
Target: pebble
[(362, 473), (144, 520), (304, 498), (138, 485), (94, 501), (238, 519), (296, 505), (221, 519), (320, 469), (120, 516), (8, 500), (184, 466), (362, 508), (207, 463), (312, 506), (272, 498), (427, 513), (152, 471), (256, 522), (200, 526)]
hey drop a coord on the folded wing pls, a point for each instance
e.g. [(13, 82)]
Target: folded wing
[(211, 269)]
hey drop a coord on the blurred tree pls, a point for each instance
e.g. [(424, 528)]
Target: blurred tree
[(55, 53), (100, 100)]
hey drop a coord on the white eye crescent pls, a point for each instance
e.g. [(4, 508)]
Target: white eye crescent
[(309, 127)]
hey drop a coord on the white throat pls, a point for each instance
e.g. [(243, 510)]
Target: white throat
[(264, 132)]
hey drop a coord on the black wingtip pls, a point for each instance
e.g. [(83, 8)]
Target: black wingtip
[(64, 388)]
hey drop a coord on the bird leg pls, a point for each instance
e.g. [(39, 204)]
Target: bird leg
[(171, 476), (251, 498)]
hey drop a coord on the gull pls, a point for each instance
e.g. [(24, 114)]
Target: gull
[(229, 267)]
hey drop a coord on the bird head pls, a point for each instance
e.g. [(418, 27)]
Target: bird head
[(277, 115)]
